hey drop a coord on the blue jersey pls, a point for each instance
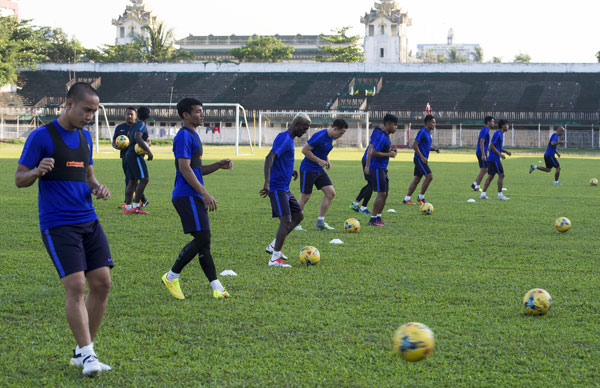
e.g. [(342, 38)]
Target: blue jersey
[(380, 142), (551, 149), (138, 126), (122, 129), (321, 145), (377, 129), (184, 146), (59, 202), (497, 141), (283, 165), (485, 135), (424, 139)]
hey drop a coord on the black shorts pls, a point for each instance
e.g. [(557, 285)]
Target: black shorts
[(421, 168), (309, 178), (193, 214), (482, 163), (283, 203), (551, 161), (136, 167), (78, 247), (495, 168), (379, 180)]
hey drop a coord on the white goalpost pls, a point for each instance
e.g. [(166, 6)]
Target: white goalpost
[(270, 123), (240, 112)]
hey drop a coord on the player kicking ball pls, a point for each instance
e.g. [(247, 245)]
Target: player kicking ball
[(494, 164), (312, 173), (279, 170), (549, 158)]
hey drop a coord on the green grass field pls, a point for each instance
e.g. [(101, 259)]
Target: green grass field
[(462, 272)]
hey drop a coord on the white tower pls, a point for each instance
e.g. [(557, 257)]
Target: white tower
[(131, 22), (385, 33)]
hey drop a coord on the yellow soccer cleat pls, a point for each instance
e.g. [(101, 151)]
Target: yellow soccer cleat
[(173, 287), (220, 295)]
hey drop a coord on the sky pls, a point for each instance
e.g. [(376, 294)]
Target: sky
[(547, 30)]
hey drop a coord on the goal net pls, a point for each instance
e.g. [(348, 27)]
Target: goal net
[(271, 123)]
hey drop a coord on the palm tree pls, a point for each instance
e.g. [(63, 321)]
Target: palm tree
[(478, 54), (598, 56), (157, 44), (454, 56)]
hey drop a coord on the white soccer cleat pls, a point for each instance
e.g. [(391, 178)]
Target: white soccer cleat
[(502, 197), (270, 248), (557, 184), (91, 366), (278, 263), (77, 360), (483, 196), (299, 228)]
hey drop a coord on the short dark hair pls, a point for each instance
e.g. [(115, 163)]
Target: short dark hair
[(487, 119), (340, 124), (143, 113), (390, 118), (502, 122), (80, 89), (130, 108), (429, 118), (186, 105)]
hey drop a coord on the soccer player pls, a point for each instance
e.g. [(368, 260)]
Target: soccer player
[(191, 200), (482, 150), (137, 170), (123, 129), (422, 147), (316, 158), (494, 164), (378, 157), (279, 170), (367, 190), (59, 156), (549, 156)]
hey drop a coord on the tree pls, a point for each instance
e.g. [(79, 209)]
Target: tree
[(522, 58), (262, 49), (454, 56), (343, 48), (157, 46), (478, 54), (598, 56), (130, 52), (497, 59), (58, 47), (20, 47)]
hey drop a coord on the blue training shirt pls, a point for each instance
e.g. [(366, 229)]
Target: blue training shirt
[(424, 139), (497, 140), (381, 142), (377, 129), (138, 126), (322, 145), (283, 165), (59, 202), (551, 149), (485, 135), (184, 146)]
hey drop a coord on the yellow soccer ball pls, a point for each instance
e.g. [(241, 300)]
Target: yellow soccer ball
[(426, 209), (537, 302), (309, 256), (562, 224), (139, 150), (122, 142), (413, 341), (352, 225), (594, 182)]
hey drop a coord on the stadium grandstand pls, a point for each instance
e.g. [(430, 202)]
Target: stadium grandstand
[(533, 97)]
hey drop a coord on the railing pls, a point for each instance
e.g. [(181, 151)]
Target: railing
[(94, 82), (526, 117)]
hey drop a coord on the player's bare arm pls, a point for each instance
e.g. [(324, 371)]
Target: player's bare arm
[(307, 151), (225, 164), (143, 145), (495, 150), (482, 148), (25, 177), (185, 169), (268, 165), (100, 191), (368, 162), (418, 152)]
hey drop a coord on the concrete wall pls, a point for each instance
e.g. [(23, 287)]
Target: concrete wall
[(325, 67)]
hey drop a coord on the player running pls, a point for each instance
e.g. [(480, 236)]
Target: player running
[(312, 171), (279, 170), (378, 157), (549, 156), (422, 147), (483, 142), (494, 164), (192, 201)]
